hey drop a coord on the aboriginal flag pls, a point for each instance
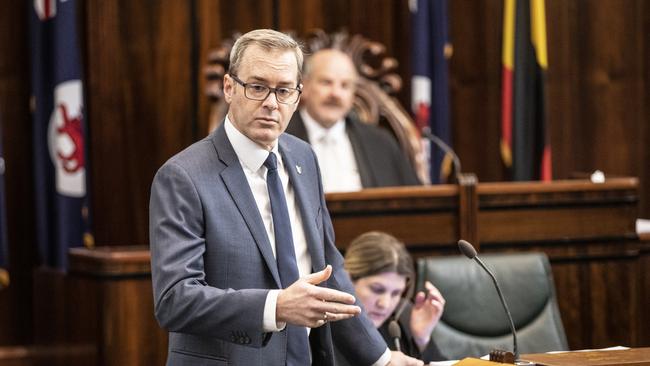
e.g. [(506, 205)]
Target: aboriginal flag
[(525, 147)]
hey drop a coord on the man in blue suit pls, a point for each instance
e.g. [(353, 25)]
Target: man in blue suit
[(244, 266)]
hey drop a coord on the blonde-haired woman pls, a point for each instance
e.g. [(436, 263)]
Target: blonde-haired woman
[(383, 276)]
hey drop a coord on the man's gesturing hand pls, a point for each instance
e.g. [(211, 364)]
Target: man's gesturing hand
[(399, 359), (303, 303)]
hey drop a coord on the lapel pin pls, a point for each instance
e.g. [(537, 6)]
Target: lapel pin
[(299, 169)]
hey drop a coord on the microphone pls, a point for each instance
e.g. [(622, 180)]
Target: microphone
[(468, 250), (426, 132), (396, 333)]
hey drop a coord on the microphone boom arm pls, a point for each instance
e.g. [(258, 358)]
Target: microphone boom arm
[(426, 131), (503, 302)]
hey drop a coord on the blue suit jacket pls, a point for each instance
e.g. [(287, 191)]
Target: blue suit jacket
[(212, 263)]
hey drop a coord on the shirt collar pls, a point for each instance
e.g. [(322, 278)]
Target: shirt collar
[(316, 132), (250, 154)]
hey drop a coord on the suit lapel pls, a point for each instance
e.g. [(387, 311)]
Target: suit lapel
[(240, 192), (361, 156), (304, 199), (359, 146), (297, 127)]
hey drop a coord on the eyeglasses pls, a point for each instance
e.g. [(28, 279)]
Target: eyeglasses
[(261, 92)]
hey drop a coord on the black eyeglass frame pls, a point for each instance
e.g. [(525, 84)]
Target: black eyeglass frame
[(269, 91)]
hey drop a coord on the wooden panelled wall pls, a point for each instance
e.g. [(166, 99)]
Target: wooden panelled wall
[(15, 301), (145, 97), (146, 85)]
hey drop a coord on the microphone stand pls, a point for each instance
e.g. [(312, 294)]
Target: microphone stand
[(426, 132), (505, 306), (495, 355), (394, 330)]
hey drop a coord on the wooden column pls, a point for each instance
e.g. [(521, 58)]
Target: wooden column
[(127, 332)]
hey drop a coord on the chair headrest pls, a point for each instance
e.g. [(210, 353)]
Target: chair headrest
[(524, 280)]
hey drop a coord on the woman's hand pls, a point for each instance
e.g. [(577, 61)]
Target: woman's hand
[(427, 310)]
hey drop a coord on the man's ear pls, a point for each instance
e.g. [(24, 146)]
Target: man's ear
[(304, 90), (228, 87)]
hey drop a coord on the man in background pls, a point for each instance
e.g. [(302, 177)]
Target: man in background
[(352, 155)]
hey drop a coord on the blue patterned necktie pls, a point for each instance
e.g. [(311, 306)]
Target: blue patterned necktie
[(298, 342)]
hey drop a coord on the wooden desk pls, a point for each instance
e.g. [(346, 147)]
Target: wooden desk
[(428, 218), (633, 356), (587, 230)]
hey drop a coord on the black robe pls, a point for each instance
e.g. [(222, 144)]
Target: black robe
[(380, 160)]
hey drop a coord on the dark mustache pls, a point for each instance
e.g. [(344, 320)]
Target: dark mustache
[(333, 102)]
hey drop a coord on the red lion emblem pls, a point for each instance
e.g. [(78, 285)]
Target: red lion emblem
[(72, 127), (422, 115)]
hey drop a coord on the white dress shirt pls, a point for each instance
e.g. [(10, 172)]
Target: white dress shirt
[(335, 154), (251, 157)]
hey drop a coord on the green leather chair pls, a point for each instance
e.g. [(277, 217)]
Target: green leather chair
[(474, 321)]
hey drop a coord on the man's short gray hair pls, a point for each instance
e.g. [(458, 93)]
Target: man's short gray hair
[(269, 40)]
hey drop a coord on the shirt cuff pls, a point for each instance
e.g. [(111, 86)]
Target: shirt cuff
[(384, 359), (269, 323)]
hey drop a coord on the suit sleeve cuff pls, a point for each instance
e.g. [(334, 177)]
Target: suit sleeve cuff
[(269, 323), (384, 359)]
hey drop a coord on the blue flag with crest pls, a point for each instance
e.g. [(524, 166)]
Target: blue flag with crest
[(430, 86), (60, 163)]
